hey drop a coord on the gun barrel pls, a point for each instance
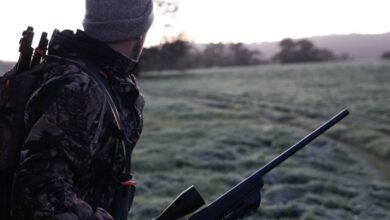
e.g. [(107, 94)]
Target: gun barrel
[(303, 142), (225, 203), (40, 51)]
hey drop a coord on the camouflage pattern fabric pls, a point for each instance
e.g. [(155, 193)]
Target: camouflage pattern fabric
[(72, 159)]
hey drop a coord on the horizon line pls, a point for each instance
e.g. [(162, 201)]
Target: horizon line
[(249, 43)]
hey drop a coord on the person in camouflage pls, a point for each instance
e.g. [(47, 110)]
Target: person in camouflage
[(73, 160)]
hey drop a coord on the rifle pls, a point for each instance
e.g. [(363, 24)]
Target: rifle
[(225, 204), (25, 50), (40, 51), (26, 58)]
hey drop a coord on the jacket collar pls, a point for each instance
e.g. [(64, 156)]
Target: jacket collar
[(80, 46)]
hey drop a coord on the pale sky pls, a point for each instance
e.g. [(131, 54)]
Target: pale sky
[(210, 20)]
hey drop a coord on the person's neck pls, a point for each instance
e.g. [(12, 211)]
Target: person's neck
[(131, 48)]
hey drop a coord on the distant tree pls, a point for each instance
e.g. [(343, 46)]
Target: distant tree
[(288, 53), (306, 51), (173, 53), (241, 55), (302, 51), (151, 59), (235, 54), (386, 55), (287, 43), (213, 55), (323, 55)]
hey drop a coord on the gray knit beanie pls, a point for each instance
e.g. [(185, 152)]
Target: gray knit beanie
[(117, 20)]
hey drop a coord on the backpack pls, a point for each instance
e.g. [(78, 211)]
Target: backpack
[(15, 90), (16, 87)]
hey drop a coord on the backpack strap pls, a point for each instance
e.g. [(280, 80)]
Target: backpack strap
[(92, 71)]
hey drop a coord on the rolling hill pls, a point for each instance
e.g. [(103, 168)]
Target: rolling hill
[(358, 46)]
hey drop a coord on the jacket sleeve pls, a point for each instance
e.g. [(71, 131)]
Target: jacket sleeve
[(57, 151)]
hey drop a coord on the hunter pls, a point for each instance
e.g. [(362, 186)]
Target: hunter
[(75, 161)]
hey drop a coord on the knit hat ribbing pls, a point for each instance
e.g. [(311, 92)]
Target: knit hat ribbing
[(117, 20)]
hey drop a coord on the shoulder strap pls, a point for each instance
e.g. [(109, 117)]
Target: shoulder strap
[(92, 71)]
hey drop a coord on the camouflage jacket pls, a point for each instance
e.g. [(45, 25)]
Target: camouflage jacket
[(72, 158)]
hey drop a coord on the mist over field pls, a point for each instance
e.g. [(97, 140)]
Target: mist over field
[(213, 127)]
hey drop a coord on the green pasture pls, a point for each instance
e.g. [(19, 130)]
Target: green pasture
[(212, 127)]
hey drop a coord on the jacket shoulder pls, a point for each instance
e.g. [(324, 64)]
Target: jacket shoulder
[(67, 86)]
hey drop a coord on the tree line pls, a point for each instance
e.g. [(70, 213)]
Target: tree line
[(179, 53), (303, 51)]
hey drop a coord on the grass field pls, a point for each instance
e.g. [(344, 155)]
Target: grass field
[(213, 127)]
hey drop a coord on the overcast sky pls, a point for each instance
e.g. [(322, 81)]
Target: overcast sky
[(210, 20)]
